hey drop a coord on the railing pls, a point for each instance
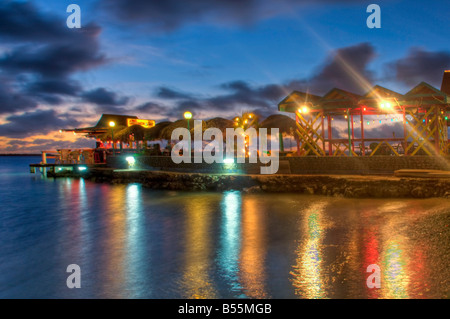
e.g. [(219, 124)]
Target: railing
[(75, 156)]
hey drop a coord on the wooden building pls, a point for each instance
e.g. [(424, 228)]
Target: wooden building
[(423, 113)]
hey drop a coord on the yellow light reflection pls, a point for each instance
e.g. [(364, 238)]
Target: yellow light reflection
[(196, 280), (307, 279), (394, 258), (114, 242), (253, 272), (396, 277)]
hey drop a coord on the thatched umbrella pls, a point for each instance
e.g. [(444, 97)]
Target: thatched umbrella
[(218, 122), (285, 124), (154, 133), (166, 132), (107, 136)]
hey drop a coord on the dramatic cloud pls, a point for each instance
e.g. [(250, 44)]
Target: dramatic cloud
[(39, 56), (172, 14), (20, 21), (346, 69), (237, 96), (68, 87), (11, 100), (384, 130), (37, 145), (420, 65), (52, 60), (104, 97), (31, 123), (168, 93)]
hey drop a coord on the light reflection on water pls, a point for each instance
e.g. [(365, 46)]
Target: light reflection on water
[(132, 242)]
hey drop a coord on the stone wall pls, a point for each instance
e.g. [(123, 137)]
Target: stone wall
[(365, 165), (295, 165), (343, 186)]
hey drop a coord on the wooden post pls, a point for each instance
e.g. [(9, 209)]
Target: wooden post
[(323, 132), (437, 115), (330, 136), (349, 134), (297, 139), (405, 134), (353, 134), (363, 151)]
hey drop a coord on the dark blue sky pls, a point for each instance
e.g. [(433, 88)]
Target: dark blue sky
[(156, 59)]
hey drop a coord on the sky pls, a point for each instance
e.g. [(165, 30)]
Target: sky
[(157, 59)]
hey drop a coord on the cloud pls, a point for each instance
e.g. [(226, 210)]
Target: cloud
[(345, 68), (420, 65), (12, 100), (52, 60), (388, 130), (35, 122), (168, 15), (104, 97), (169, 93), (37, 145), (41, 55), (69, 87), (20, 21)]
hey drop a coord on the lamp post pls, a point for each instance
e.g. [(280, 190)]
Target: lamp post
[(111, 125), (188, 115)]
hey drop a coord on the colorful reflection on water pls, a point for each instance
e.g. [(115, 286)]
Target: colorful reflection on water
[(132, 242), (307, 269)]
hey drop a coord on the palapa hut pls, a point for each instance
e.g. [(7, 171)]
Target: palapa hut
[(102, 125), (285, 124), (219, 123), (155, 133), (166, 132)]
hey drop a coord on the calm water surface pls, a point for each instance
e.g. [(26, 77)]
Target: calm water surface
[(132, 242)]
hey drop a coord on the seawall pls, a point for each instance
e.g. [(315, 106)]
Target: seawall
[(352, 186)]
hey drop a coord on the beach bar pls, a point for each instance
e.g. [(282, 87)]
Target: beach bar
[(422, 113)]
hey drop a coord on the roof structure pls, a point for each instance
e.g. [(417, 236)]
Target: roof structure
[(445, 86), (296, 98), (338, 99), (102, 125), (423, 112)]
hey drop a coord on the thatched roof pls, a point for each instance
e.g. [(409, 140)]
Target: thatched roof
[(107, 136), (154, 133), (137, 130), (166, 132), (218, 122), (282, 122), (120, 120), (102, 128)]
